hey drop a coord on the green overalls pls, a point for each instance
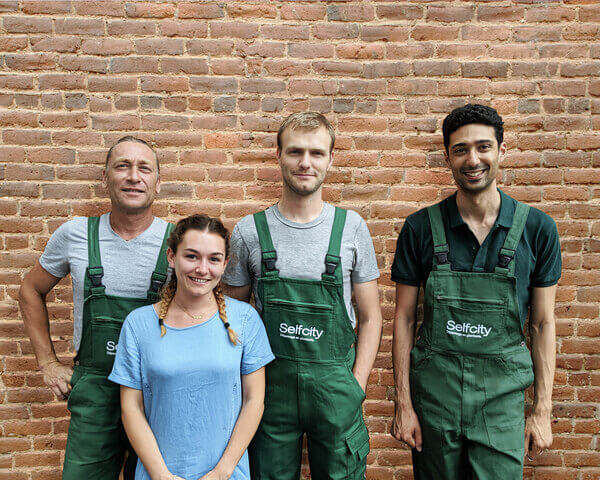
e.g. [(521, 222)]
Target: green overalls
[(310, 385), (96, 441), (470, 367)]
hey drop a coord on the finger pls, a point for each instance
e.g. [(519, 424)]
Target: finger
[(418, 438), (64, 388), (409, 439), (57, 392), (527, 440)]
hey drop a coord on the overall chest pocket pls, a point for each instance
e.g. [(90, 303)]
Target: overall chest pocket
[(469, 325), (299, 330), (105, 338)]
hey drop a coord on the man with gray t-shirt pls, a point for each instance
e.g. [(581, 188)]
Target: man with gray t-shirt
[(303, 259), (117, 263)]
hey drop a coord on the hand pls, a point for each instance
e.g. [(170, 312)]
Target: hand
[(406, 427), (217, 473), (538, 434), (58, 377)]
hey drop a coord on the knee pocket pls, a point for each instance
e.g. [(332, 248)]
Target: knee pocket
[(357, 445)]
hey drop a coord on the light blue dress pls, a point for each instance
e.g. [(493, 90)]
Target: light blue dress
[(191, 383)]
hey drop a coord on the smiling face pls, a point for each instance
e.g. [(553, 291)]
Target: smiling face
[(304, 159), (199, 262), (473, 156), (131, 177)]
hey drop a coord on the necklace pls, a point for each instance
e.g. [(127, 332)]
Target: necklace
[(195, 317)]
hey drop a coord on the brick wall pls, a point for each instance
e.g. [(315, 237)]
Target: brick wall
[(208, 83)]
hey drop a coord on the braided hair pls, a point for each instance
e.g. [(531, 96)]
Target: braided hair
[(204, 223)]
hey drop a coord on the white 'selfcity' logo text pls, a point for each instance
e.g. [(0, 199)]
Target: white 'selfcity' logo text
[(467, 330), (299, 332), (111, 347)]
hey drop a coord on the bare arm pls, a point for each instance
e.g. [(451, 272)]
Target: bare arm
[(369, 329), (405, 425), (140, 435), (538, 430), (253, 397), (32, 302), (239, 293)]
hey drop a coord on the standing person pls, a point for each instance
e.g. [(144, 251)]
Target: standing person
[(117, 263), (191, 367), (303, 259), (484, 259)]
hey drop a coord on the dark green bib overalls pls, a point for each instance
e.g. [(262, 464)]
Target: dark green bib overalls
[(310, 385), (96, 442), (470, 367)]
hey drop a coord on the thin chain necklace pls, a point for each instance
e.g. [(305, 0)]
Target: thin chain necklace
[(195, 317)]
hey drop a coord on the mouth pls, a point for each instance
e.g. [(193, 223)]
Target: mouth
[(199, 281), (132, 190), (474, 174)]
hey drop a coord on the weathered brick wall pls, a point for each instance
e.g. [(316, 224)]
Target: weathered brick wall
[(208, 84)]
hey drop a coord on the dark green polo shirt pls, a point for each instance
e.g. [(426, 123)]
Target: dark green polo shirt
[(538, 260)]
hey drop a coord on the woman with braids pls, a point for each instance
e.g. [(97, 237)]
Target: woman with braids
[(191, 367)]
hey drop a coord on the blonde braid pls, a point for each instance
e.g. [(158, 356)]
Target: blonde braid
[(220, 298), (166, 297)]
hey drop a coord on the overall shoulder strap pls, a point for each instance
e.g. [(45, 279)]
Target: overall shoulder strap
[(507, 252), (159, 275), (333, 258), (269, 255), (94, 271), (441, 248)]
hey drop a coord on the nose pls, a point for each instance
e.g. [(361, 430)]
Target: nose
[(305, 160), (134, 175), (202, 266), (473, 159)]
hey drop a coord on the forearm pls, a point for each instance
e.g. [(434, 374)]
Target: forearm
[(543, 346), (35, 317), (404, 328), (243, 431), (143, 441), (367, 345)]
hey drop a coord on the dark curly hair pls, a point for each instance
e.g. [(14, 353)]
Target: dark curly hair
[(472, 113)]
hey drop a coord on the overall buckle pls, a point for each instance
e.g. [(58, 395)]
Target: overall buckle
[(442, 258), (95, 274), (331, 263), (269, 259), (157, 281), (504, 260)]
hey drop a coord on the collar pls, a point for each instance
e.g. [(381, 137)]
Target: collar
[(505, 216)]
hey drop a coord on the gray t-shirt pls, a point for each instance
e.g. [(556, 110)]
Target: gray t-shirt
[(301, 250), (128, 264)]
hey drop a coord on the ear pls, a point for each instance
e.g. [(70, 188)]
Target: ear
[(171, 257), (330, 160), (446, 158), (104, 179), (157, 187), (502, 151)]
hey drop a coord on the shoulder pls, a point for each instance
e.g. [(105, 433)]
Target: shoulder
[(236, 309), (245, 226), (540, 222), (418, 221), (75, 225), (141, 320)]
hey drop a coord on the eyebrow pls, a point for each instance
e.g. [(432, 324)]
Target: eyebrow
[(477, 142), (197, 252)]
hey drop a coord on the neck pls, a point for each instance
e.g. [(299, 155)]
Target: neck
[(194, 303), (130, 225), (300, 208), (479, 207)]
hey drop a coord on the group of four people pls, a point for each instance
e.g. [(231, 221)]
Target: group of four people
[(196, 368)]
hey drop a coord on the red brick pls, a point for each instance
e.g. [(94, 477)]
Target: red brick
[(79, 26), (61, 44), (449, 14), (27, 24), (132, 64), (200, 10), (106, 46), (187, 28), (233, 29), (30, 61), (329, 31), (350, 13), (425, 33), (164, 84), (366, 51), (385, 33), (130, 27), (115, 8), (399, 12), (149, 10), (112, 84), (254, 11), (84, 63)]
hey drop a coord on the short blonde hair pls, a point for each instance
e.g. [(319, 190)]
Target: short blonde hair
[(307, 121)]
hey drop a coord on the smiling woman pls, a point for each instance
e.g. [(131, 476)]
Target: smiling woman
[(191, 367)]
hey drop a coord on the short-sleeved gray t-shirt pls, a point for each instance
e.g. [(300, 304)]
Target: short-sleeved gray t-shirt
[(128, 264), (301, 250)]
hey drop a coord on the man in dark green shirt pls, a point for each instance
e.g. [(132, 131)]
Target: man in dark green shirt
[(484, 260)]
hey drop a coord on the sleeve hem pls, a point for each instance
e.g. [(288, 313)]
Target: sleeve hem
[(548, 283), (405, 281), (124, 381), (256, 365), (51, 270), (366, 279)]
